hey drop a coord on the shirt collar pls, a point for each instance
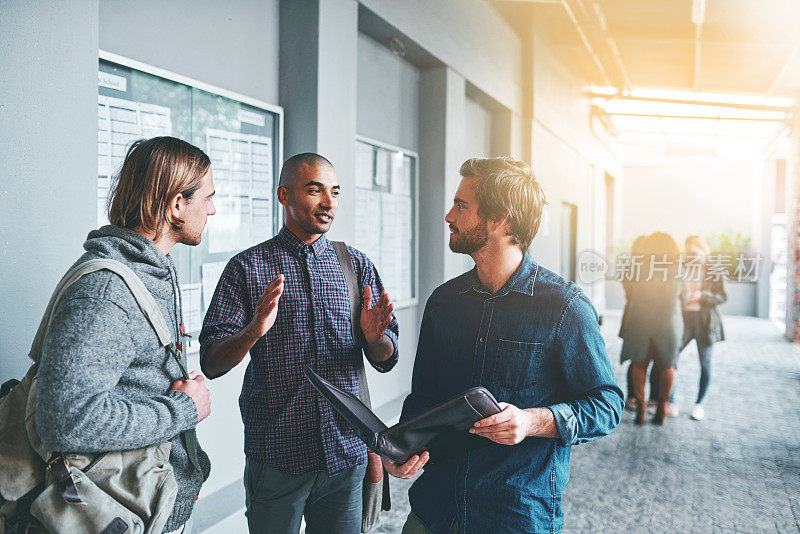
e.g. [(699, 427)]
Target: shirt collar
[(295, 244), (522, 281)]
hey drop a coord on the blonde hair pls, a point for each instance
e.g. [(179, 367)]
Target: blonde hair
[(696, 241), (507, 188), (638, 245), (153, 173)]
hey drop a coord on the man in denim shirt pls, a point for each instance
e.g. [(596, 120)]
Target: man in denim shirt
[(529, 337)]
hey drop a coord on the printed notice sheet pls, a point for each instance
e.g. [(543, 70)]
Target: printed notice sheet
[(192, 308), (121, 122), (242, 166), (385, 217)]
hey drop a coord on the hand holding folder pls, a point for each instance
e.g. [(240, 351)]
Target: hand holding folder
[(430, 430)]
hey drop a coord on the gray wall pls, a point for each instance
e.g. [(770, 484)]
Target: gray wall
[(48, 146), (478, 143), (469, 36), (233, 45), (387, 95)]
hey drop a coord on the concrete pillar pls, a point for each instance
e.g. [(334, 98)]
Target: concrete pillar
[(762, 225), (441, 125), (318, 73), (792, 251)]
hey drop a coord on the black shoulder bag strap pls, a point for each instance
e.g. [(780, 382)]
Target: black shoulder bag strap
[(354, 294)]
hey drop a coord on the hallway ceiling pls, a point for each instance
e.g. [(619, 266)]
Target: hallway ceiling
[(670, 76), (742, 47)]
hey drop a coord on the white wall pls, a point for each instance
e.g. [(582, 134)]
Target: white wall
[(570, 158), (695, 195), (700, 195)]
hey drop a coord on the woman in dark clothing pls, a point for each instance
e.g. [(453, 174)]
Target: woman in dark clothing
[(628, 281), (653, 324), (701, 317)]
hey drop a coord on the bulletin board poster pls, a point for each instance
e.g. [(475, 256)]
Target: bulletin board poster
[(242, 138), (386, 216)]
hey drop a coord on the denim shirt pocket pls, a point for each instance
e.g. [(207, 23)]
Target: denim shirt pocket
[(517, 365)]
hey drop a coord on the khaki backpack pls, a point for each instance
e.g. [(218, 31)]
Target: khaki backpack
[(52, 491)]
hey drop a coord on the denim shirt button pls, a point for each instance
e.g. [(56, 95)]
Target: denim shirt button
[(481, 340)]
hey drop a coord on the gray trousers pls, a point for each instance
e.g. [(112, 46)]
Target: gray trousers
[(277, 501)]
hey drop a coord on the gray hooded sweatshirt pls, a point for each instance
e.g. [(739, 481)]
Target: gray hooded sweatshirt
[(104, 378)]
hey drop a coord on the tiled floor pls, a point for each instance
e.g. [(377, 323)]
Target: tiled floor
[(736, 471)]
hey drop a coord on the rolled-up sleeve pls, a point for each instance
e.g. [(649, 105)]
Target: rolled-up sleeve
[(386, 365), (594, 402), (226, 314), (369, 276)]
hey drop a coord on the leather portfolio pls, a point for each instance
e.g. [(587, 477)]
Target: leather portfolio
[(445, 423)]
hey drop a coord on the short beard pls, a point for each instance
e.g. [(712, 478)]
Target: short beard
[(312, 229), (470, 241)]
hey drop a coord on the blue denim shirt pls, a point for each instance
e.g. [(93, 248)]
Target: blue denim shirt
[(535, 343)]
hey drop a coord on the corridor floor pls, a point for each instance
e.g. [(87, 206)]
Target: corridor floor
[(738, 470)]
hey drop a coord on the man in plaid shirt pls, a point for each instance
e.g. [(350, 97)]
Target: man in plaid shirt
[(286, 302)]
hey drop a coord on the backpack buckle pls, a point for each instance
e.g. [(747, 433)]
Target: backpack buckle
[(59, 468)]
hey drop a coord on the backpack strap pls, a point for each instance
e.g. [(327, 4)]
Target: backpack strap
[(134, 283), (148, 306), (354, 292), (374, 501)]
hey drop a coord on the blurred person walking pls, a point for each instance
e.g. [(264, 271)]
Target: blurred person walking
[(653, 324), (701, 317), (628, 280)]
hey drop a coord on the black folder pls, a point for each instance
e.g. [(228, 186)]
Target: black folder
[(447, 422)]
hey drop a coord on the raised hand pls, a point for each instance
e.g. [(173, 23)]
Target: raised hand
[(266, 308), (375, 319)]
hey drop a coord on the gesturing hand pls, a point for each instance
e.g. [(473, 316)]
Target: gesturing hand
[(507, 427), (375, 319), (267, 308)]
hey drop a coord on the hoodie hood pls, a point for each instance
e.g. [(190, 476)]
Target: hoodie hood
[(156, 270), (129, 247)]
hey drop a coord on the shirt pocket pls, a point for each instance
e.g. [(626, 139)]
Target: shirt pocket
[(517, 364)]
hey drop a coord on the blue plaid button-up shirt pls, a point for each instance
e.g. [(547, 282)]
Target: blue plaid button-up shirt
[(286, 424)]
